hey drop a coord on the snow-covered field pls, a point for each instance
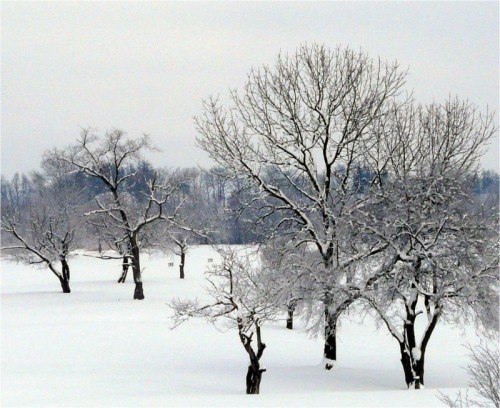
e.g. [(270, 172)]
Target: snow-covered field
[(96, 347)]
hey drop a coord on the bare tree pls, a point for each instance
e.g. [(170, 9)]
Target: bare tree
[(191, 220), (484, 372), (43, 230), (308, 119), (109, 159), (422, 206), (293, 267), (181, 243), (245, 296), (41, 239)]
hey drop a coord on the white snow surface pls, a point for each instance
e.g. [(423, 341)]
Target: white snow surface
[(97, 347)]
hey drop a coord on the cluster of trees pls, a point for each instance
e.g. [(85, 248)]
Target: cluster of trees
[(365, 197), (101, 194), (355, 194)]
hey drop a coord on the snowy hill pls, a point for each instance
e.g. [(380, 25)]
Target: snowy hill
[(98, 347)]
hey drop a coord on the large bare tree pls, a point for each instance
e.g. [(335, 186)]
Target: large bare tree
[(296, 132)]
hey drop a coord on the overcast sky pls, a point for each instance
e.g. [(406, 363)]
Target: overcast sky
[(144, 67)]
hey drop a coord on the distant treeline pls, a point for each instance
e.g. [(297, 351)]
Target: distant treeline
[(229, 205)]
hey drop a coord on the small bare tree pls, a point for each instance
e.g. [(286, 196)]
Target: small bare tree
[(41, 239), (245, 296), (44, 230), (286, 259), (189, 221), (484, 372), (181, 243), (109, 159)]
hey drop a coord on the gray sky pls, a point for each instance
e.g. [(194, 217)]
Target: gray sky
[(144, 67)]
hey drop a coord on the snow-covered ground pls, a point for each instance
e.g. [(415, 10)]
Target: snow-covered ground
[(96, 347)]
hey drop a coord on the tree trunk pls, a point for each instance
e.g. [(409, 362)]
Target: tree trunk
[(291, 309), (136, 270), (64, 277), (254, 376), (412, 367), (406, 361), (138, 291), (419, 367), (125, 266), (414, 364), (65, 269), (330, 350), (181, 265), (254, 373), (410, 354), (65, 285)]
